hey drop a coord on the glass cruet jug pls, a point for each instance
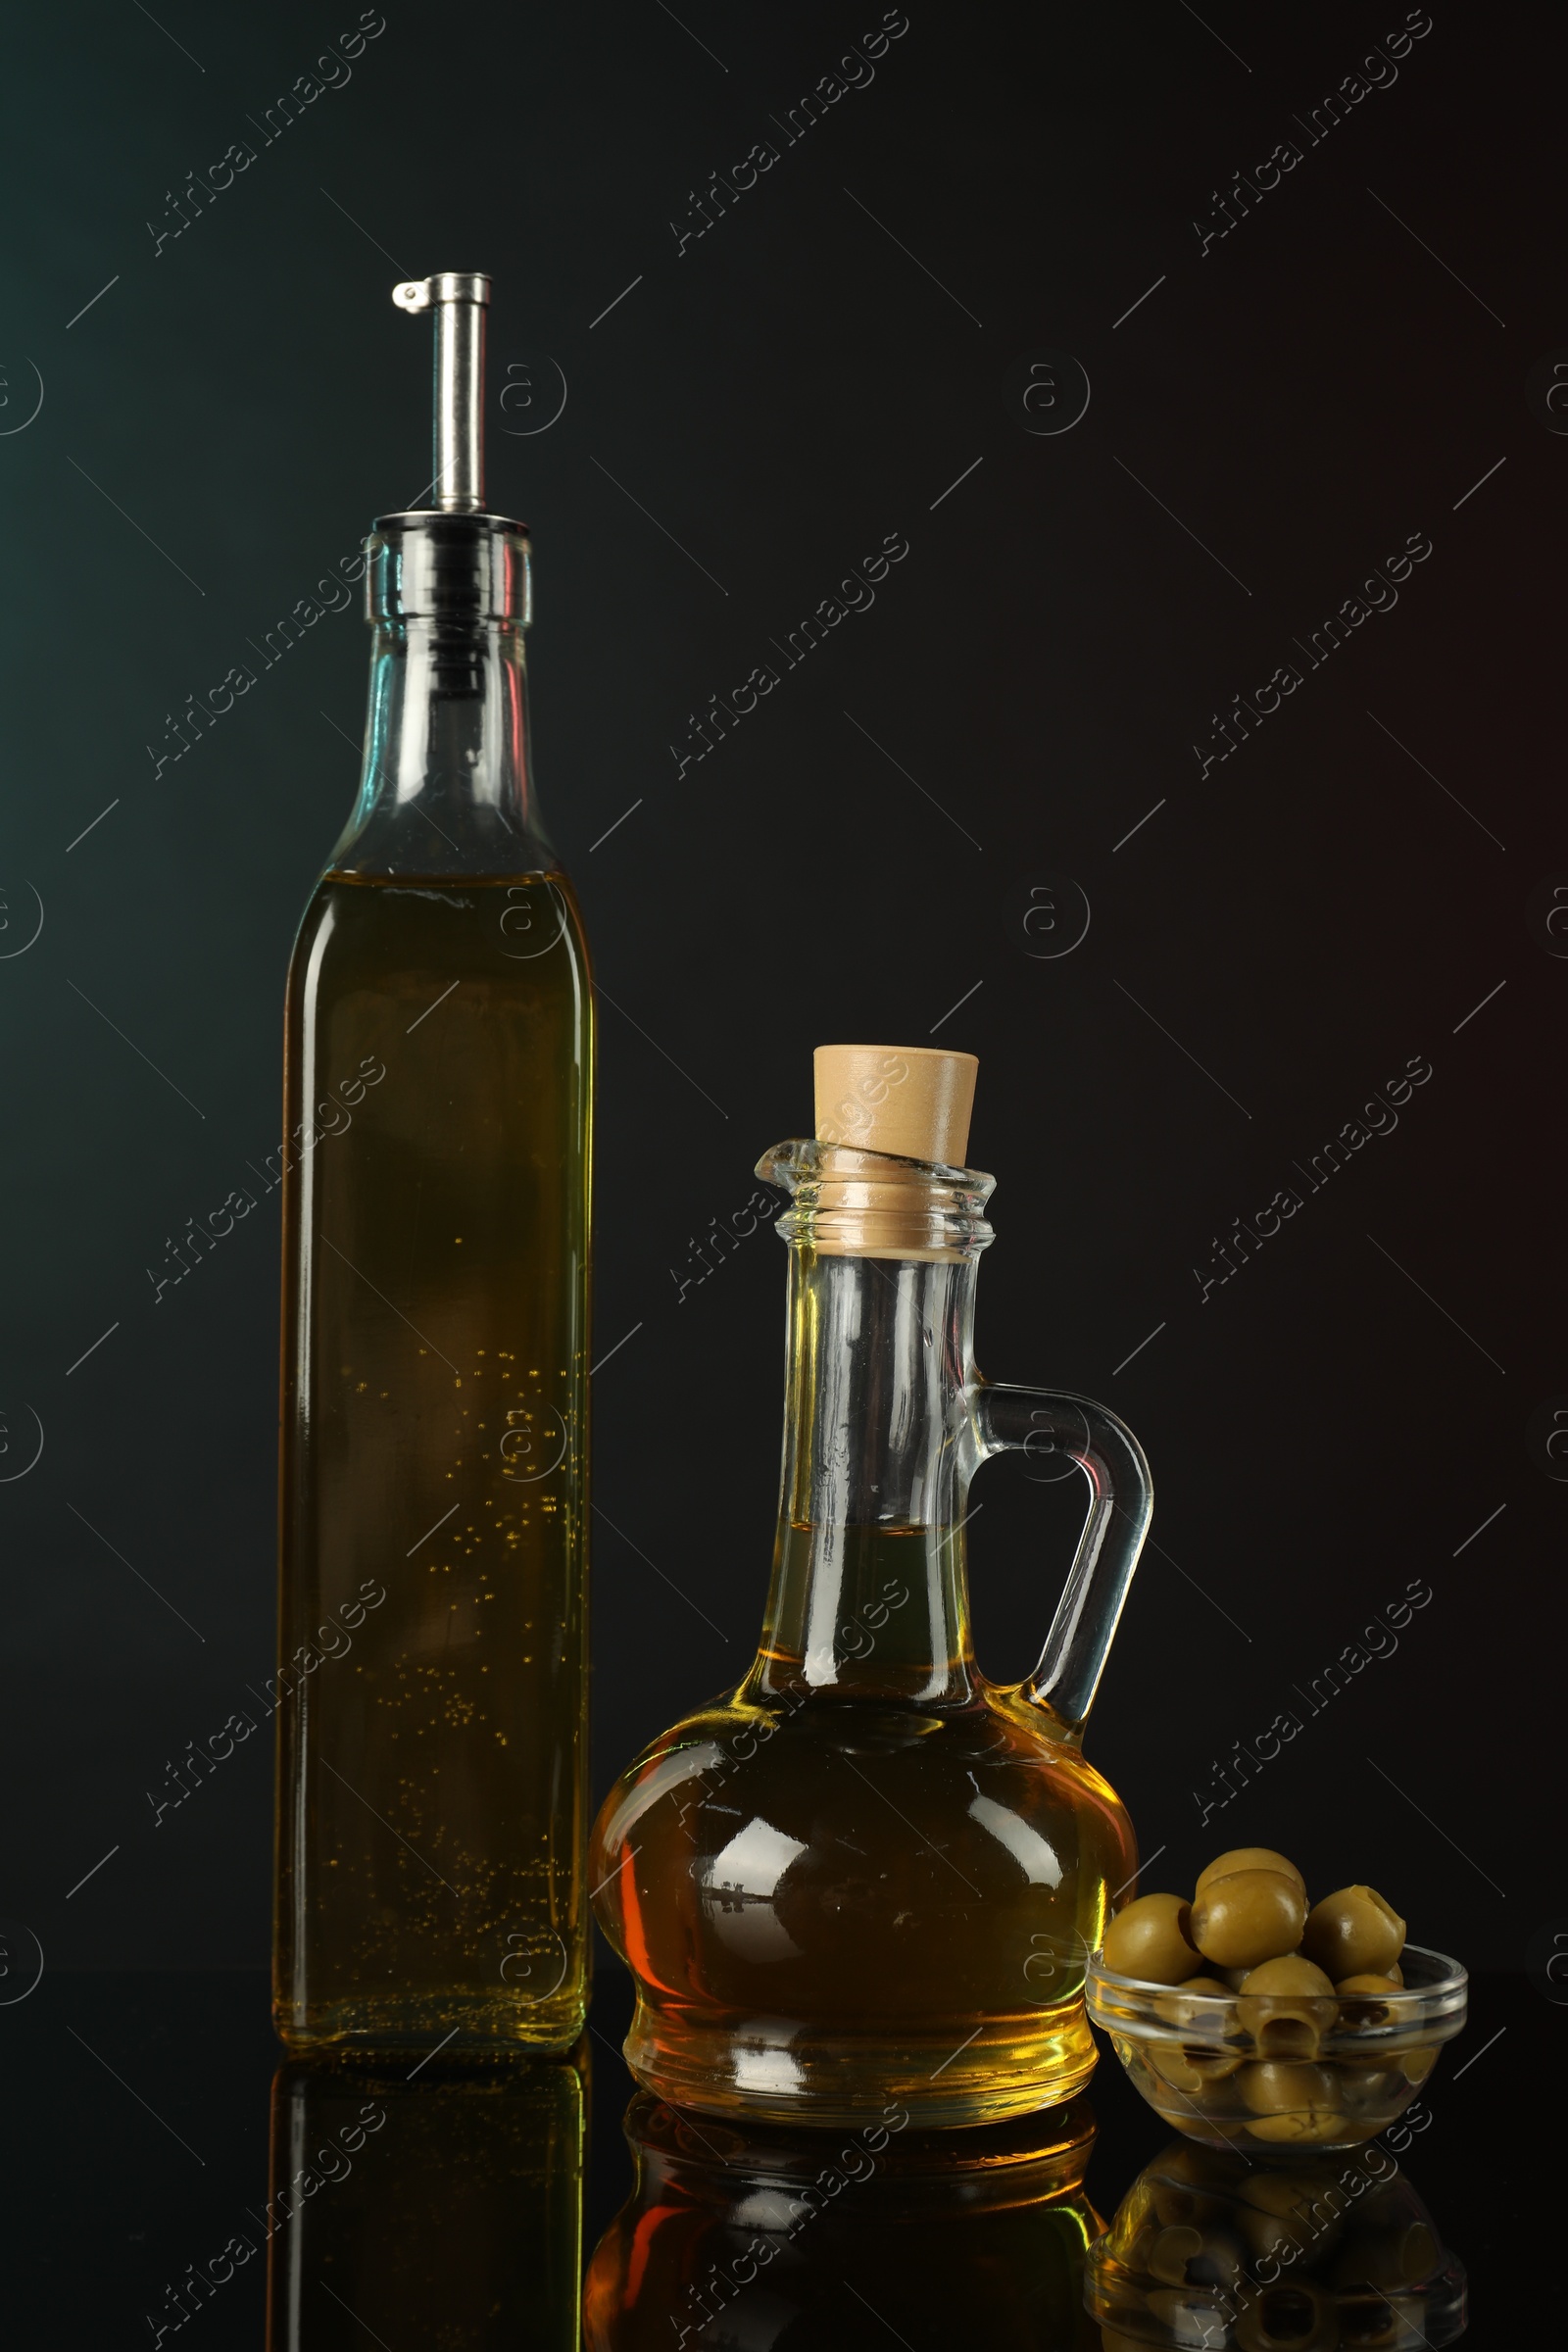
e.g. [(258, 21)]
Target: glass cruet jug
[(868, 1874)]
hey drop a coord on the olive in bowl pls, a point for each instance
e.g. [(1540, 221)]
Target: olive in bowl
[(1251, 2018), (1270, 2071)]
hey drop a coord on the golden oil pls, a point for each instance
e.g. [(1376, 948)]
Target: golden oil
[(431, 1752)]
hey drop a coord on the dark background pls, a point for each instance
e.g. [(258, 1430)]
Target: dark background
[(1282, 411)]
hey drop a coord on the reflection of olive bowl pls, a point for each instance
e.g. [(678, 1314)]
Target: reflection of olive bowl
[(1265, 2073), (1213, 2250)]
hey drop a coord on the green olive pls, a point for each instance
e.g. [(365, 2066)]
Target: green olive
[(1282, 2005), (1353, 1932), (1170, 2062), (1386, 1977), (1302, 2127), (1182, 2107), (1150, 1941), (1188, 2070), (1251, 1916), (1289, 1974), (1291, 2103), (1275, 2085), (1416, 2064), (1373, 2088), (1177, 2010), (1365, 2006), (1248, 1857)]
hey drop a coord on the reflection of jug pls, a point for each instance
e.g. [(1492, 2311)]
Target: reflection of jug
[(773, 2236), (442, 2210), (868, 1874), (1333, 2251)]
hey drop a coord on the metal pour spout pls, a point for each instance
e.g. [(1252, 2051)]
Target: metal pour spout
[(459, 299)]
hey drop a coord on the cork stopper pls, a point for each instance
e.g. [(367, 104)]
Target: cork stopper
[(878, 1107), (911, 1100)]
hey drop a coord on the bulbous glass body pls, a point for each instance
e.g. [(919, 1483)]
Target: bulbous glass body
[(867, 1874), (830, 1902)]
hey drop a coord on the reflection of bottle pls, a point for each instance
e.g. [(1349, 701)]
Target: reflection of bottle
[(838, 2241), (446, 2210), (868, 1874), (1206, 2248), (435, 1446)]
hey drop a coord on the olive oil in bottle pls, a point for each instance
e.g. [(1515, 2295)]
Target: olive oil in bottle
[(431, 1696)]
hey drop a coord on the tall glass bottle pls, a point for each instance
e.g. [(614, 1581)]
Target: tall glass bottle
[(438, 1093), (868, 1873)]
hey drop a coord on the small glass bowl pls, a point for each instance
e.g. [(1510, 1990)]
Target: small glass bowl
[(1262, 2072)]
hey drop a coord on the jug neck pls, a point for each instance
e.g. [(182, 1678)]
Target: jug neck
[(447, 782), (870, 1592)]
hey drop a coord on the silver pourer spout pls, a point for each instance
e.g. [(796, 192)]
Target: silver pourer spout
[(459, 299)]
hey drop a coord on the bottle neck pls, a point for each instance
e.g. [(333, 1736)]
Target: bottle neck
[(870, 1592), (447, 785)]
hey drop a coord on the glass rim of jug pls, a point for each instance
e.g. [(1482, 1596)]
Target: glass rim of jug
[(847, 1201)]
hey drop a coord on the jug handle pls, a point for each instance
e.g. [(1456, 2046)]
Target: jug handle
[(1053, 1425)]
